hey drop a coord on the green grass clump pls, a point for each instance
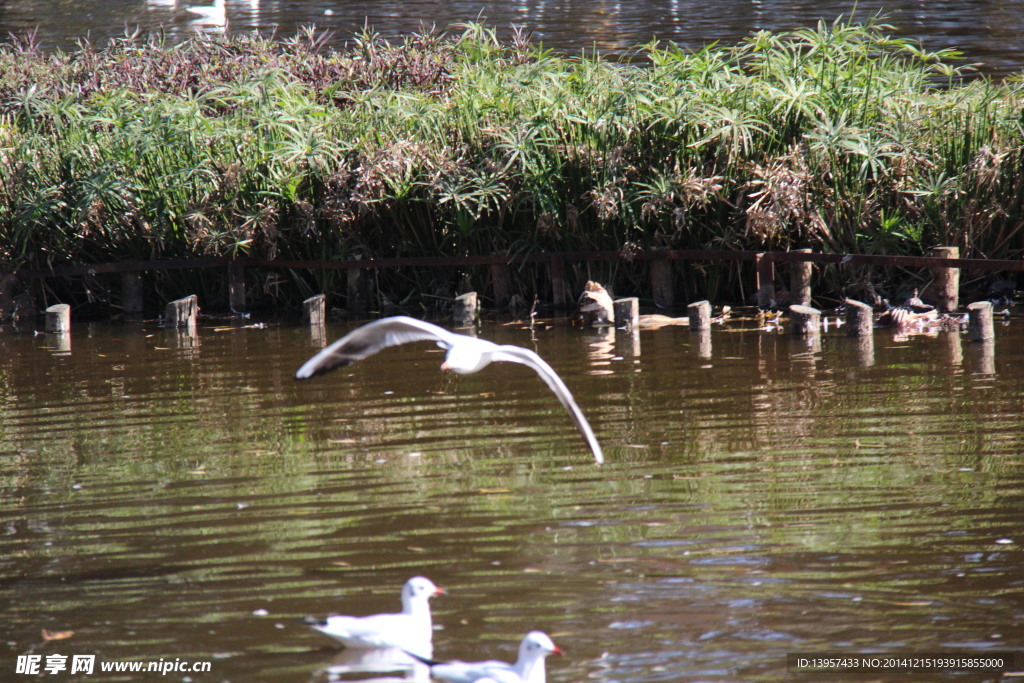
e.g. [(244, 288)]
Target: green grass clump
[(840, 138)]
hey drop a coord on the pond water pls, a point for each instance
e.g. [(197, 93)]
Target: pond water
[(988, 31), (175, 497)]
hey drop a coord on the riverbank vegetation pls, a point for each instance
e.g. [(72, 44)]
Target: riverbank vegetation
[(840, 138)]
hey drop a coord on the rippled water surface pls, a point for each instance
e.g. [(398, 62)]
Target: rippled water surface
[(988, 31), (165, 496)]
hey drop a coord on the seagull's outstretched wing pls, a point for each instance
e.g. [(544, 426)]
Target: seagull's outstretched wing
[(518, 354), (369, 339)]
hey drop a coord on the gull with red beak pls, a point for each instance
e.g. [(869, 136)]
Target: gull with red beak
[(529, 667), (410, 630)]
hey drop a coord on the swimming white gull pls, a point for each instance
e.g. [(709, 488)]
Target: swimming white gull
[(465, 355), (529, 667), (410, 630)]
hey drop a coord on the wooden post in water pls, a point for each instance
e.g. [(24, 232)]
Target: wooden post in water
[(806, 321), (627, 312), (314, 309), (58, 319), (979, 321), (501, 284), (947, 280), (559, 292), (860, 319), (182, 312), (700, 316), (466, 309), (764, 268), (800, 280), (860, 323), (662, 284), (7, 282), (236, 286), (131, 294), (357, 299)]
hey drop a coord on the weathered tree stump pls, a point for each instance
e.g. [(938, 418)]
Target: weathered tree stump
[(947, 280), (314, 310), (466, 309), (860, 319), (806, 321), (979, 321), (58, 319), (699, 314), (182, 312), (627, 312)]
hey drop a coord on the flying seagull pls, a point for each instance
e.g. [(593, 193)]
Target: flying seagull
[(410, 630), (465, 355), (529, 667)]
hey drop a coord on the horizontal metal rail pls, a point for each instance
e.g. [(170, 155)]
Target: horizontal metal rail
[(75, 270)]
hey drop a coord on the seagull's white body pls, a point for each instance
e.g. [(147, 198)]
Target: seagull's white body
[(410, 630), (529, 667), (465, 355)]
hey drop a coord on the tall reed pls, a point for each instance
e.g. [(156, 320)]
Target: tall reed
[(838, 137)]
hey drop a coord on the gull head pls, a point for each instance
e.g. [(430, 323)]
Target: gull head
[(537, 644), (419, 590)]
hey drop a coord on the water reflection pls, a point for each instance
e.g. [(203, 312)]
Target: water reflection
[(349, 663), (602, 353), (987, 31), (768, 499)]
